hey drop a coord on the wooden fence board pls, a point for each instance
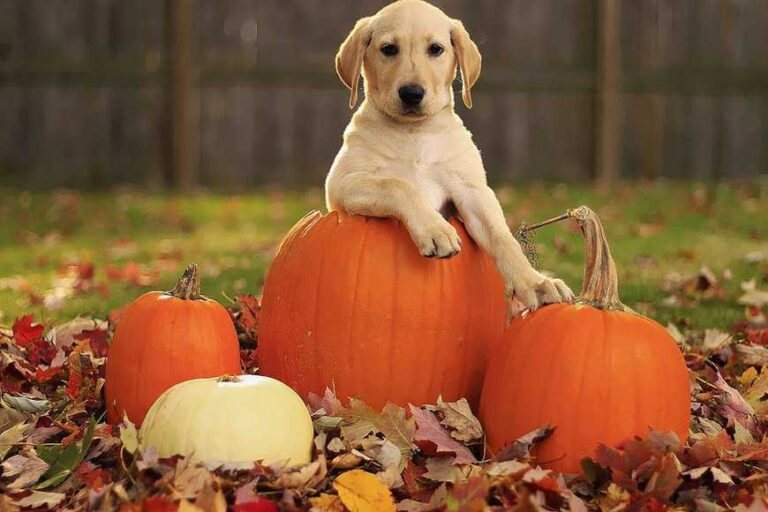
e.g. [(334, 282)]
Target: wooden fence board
[(84, 98)]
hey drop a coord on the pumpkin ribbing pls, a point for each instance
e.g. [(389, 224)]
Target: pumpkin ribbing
[(164, 338), (349, 303), (595, 370)]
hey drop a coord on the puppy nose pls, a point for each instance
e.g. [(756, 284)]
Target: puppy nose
[(411, 95)]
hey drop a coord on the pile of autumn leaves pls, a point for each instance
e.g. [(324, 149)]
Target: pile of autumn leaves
[(57, 452)]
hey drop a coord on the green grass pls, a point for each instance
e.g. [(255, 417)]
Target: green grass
[(667, 227)]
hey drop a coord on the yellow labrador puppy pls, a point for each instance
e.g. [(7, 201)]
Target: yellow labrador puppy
[(406, 154)]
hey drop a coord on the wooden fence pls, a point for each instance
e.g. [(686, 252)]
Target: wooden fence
[(233, 93)]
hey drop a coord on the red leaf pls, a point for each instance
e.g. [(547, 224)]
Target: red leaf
[(159, 504), (96, 339), (43, 375), (469, 496), (257, 505), (246, 500), (93, 476), (249, 358), (25, 332), (74, 383), (249, 309), (431, 436)]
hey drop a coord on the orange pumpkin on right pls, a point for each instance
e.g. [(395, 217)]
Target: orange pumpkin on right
[(595, 370)]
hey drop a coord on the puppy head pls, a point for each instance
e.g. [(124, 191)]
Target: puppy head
[(408, 54)]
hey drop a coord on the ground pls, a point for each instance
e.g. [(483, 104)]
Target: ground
[(67, 253), (687, 255)]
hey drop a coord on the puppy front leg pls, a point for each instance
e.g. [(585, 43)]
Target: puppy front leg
[(485, 222), (363, 193)]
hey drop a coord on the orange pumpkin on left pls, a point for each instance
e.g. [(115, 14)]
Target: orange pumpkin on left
[(164, 338)]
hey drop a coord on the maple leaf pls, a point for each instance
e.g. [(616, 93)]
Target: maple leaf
[(257, 504), (325, 503), (444, 469), (361, 421), (521, 447), (436, 502), (247, 318), (300, 476), (159, 504), (327, 405), (458, 416), (665, 479), (733, 406), (37, 499), (26, 331), (189, 478), (360, 491), (93, 476), (211, 498), (468, 497), (28, 467), (97, 341), (429, 431)]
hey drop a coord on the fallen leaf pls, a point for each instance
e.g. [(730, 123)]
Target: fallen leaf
[(27, 404), (444, 469), (467, 497), (362, 421), (248, 501), (28, 467), (10, 436), (465, 427), (211, 499), (298, 477), (430, 431), (26, 331), (129, 436), (39, 499), (64, 459), (521, 447), (715, 339), (733, 406), (325, 503), (360, 491)]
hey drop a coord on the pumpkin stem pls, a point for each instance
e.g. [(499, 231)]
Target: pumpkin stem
[(188, 286), (228, 378), (601, 282)]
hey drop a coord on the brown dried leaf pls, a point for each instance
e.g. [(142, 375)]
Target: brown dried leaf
[(458, 416)]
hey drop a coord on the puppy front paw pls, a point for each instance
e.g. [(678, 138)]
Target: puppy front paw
[(536, 289), (436, 238)]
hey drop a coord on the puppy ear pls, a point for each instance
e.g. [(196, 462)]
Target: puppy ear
[(349, 59), (469, 59)]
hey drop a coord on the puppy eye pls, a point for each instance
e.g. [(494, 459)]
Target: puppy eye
[(435, 49), (389, 50)]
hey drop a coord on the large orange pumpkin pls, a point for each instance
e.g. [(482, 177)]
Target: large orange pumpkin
[(164, 338), (350, 304), (595, 370)]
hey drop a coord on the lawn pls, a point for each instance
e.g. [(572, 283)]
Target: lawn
[(68, 253)]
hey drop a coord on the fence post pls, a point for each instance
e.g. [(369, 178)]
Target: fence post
[(608, 103), (184, 95)]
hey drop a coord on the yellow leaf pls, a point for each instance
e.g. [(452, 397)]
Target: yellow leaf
[(129, 435), (746, 378), (326, 503), (187, 506), (363, 492)]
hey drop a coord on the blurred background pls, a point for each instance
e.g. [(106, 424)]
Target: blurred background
[(139, 135), (99, 92)]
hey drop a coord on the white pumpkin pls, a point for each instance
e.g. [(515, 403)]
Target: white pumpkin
[(234, 420)]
